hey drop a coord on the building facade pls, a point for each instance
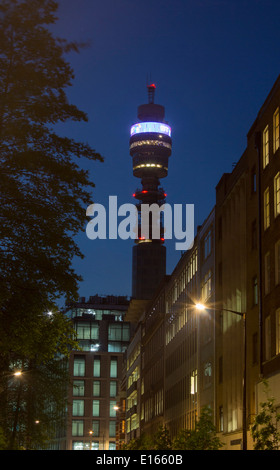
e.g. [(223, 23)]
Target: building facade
[(94, 397), (189, 359)]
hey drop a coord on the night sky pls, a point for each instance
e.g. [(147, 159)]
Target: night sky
[(213, 63)]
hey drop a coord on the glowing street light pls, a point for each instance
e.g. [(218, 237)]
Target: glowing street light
[(200, 306), (17, 373)]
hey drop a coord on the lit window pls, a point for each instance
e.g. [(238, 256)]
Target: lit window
[(206, 287), (95, 428), (193, 382), (79, 366), (113, 411), (95, 408), (114, 367), (77, 428), (96, 367), (157, 143), (276, 130), (78, 388), (266, 209), (277, 194), (113, 388), (78, 408), (96, 388), (265, 147)]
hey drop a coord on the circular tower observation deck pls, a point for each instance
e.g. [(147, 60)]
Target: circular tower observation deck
[(150, 140), (150, 147)]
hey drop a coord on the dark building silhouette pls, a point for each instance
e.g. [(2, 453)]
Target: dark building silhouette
[(150, 148)]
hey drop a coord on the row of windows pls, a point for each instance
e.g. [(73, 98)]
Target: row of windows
[(90, 330), (79, 367), (78, 408), (267, 203), (158, 143), (78, 428), (91, 445), (79, 388), (269, 327), (275, 136)]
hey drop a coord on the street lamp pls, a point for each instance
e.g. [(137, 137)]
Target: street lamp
[(244, 417)]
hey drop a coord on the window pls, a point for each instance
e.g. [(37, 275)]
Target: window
[(207, 374), (79, 366), (95, 408), (265, 147), (277, 262), (77, 428), (207, 244), (113, 388), (96, 388), (78, 388), (267, 273), (113, 411), (96, 367), (118, 332), (267, 338), (266, 209), (78, 408), (87, 330), (206, 287), (95, 428), (276, 130), (255, 290), (114, 367), (277, 194), (193, 382)]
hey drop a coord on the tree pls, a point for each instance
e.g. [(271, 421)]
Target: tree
[(265, 433), (203, 437), (162, 440), (44, 193), (32, 405)]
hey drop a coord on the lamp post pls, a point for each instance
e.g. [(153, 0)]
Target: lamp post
[(244, 414)]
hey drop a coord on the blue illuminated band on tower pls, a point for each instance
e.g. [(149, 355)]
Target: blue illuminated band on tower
[(147, 127), (150, 149)]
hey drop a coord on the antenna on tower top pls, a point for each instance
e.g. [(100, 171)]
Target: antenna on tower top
[(151, 92)]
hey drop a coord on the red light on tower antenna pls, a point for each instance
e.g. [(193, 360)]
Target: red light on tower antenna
[(151, 92)]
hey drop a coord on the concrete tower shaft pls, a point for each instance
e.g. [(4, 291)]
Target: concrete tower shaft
[(150, 148)]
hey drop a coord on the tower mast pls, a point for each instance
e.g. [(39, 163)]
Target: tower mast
[(150, 148)]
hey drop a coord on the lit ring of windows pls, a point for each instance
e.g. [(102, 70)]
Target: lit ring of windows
[(158, 143)]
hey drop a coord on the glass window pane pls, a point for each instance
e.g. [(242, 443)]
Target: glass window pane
[(78, 408), (78, 388), (79, 366), (96, 367), (95, 408), (114, 367), (96, 388)]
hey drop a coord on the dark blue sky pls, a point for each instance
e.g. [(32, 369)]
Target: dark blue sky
[(213, 62)]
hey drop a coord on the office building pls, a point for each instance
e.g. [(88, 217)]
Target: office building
[(96, 372)]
